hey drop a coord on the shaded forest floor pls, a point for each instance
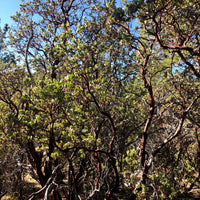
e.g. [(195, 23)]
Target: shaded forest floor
[(30, 186)]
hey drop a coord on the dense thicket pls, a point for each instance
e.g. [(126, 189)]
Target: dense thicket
[(100, 99)]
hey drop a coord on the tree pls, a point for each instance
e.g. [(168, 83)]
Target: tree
[(96, 98), (75, 111), (171, 26)]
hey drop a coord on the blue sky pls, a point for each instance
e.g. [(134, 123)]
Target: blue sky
[(8, 8)]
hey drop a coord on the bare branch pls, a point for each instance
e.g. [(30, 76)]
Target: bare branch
[(178, 130), (48, 186)]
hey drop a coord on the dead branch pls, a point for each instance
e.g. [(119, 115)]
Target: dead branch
[(48, 186), (178, 130)]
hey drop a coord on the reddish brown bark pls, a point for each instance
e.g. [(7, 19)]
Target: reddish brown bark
[(148, 86)]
